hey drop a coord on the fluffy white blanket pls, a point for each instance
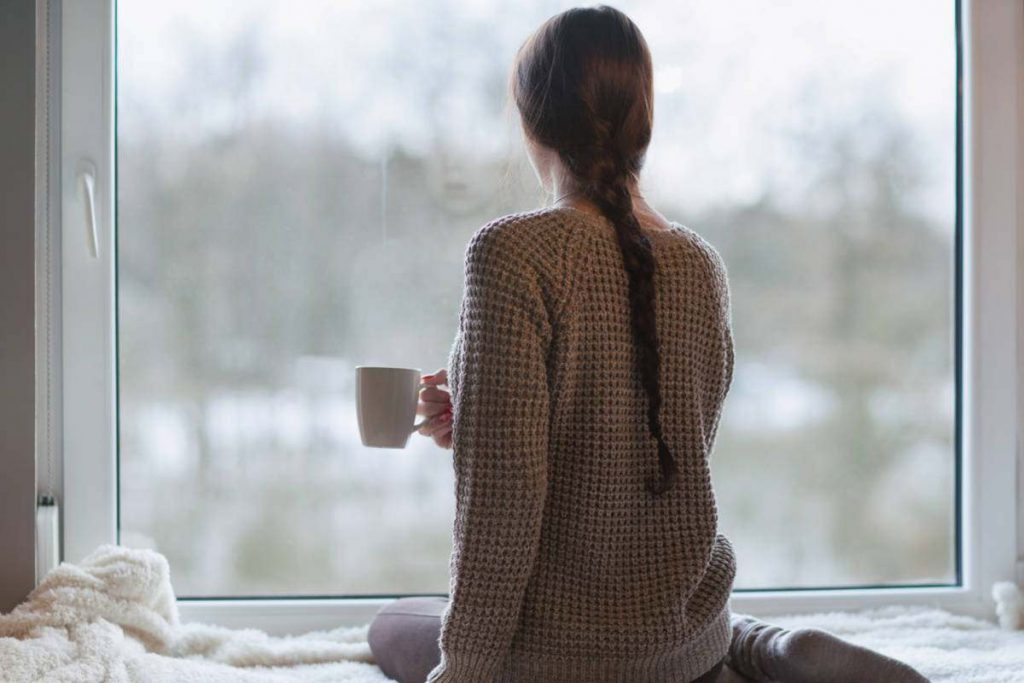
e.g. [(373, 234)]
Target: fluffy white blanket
[(944, 647), (114, 618)]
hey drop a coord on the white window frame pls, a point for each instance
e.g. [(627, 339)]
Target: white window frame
[(992, 261)]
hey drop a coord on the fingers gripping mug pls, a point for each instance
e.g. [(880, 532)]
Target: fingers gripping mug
[(386, 400)]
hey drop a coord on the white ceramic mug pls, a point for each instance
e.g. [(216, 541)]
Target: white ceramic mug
[(386, 400)]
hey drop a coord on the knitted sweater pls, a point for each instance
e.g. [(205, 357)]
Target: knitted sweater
[(564, 567)]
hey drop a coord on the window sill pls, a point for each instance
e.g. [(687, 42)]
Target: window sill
[(292, 616)]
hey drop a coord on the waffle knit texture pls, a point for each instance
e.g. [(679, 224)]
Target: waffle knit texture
[(564, 567)]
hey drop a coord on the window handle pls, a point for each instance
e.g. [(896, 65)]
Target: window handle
[(87, 179)]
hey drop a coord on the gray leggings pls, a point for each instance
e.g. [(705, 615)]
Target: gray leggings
[(404, 635)]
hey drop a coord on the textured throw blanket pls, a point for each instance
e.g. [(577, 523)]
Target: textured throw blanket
[(114, 618)]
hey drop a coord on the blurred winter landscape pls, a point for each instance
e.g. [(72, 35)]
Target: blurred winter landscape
[(296, 185)]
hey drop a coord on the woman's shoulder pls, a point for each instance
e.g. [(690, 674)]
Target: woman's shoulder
[(530, 239), (701, 247), (523, 228)]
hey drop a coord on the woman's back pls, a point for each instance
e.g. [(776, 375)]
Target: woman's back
[(559, 543)]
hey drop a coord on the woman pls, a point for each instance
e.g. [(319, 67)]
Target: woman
[(593, 357)]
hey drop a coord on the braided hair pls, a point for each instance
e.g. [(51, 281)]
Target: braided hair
[(583, 85)]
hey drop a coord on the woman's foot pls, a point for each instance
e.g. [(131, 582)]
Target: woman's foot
[(763, 652)]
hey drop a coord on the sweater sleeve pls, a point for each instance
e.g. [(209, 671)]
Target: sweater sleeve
[(500, 439), (728, 353)]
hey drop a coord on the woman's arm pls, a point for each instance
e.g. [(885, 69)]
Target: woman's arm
[(500, 401)]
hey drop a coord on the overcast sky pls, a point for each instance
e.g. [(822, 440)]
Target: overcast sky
[(735, 79)]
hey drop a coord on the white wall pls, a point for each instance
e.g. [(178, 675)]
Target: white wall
[(17, 301)]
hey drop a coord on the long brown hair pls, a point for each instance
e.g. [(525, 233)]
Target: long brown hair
[(583, 84)]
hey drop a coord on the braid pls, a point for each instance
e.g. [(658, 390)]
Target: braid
[(584, 87), (605, 181)]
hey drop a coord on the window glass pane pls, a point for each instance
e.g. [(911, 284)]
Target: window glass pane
[(295, 192)]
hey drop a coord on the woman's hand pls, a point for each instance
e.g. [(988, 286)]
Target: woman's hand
[(436, 404)]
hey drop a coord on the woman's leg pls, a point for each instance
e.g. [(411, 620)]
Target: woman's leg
[(763, 652), (404, 638)]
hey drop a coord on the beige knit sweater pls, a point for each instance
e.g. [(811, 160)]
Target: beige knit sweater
[(564, 568)]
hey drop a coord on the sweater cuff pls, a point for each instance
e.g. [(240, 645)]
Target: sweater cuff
[(465, 667)]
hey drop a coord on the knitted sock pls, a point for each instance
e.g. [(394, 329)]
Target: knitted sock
[(763, 652)]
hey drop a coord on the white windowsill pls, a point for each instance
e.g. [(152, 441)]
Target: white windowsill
[(294, 616)]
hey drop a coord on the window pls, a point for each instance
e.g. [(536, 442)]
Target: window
[(293, 195)]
